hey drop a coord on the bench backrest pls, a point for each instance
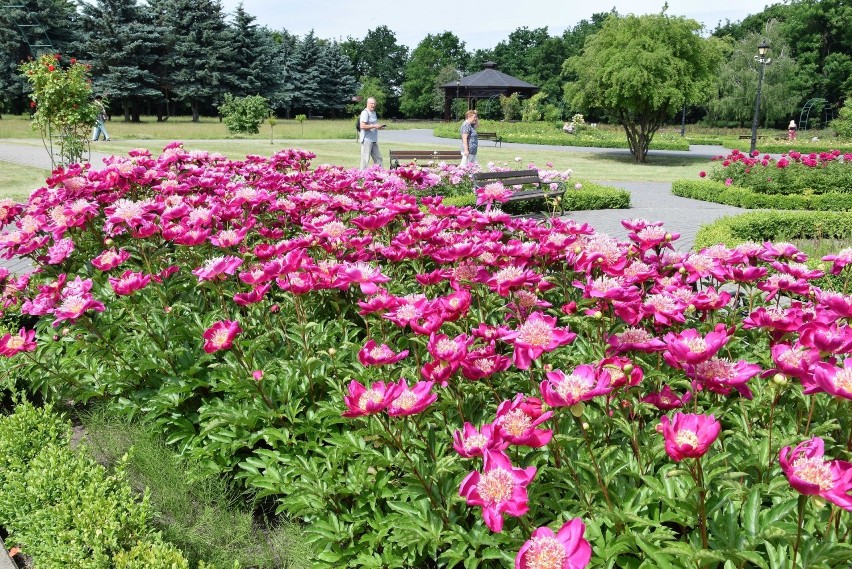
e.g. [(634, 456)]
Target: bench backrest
[(406, 156), (508, 178), (487, 134)]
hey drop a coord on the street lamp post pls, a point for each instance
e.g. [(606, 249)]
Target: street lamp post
[(762, 62), (458, 81)]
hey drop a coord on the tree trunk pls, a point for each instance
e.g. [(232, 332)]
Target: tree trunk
[(125, 108), (195, 117)]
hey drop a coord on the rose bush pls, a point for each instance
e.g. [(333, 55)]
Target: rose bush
[(428, 385), (61, 100), (794, 173)]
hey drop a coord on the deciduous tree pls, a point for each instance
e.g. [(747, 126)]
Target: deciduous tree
[(640, 71)]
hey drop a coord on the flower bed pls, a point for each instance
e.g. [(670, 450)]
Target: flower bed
[(429, 385), (793, 173)]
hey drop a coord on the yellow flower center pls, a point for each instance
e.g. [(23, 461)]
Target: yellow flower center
[(814, 470), (406, 400), (516, 422), (535, 333), (685, 437), (475, 441), (496, 486), (545, 553), (843, 380), (573, 386), (370, 396), (696, 345)]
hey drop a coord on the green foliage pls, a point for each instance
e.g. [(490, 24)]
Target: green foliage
[(640, 71), (61, 507), (151, 555), (195, 511), (533, 108), (843, 123), (434, 53), (718, 192), (736, 83), (381, 59), (587, 197), (371, 87), (511, 106), (244, 114), (61, 97)]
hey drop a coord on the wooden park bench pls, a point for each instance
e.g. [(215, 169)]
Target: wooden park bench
[(531, 186), (498, 140), (748, 136), (423, 157)]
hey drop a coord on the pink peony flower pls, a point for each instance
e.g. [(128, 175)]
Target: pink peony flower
[(834, 380), (537, 335), (217, 267), (583, 384), (689, 347), (810, 474), (374, 355), (518, 420), (688, 435), (411, 401), (500, 489), (220, 336), (566, 549), (23, 341), (471, 442), (110, 259), (666, 399), (362, 401), (129, 282)]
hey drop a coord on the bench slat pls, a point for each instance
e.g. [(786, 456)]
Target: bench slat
[(407, 156)]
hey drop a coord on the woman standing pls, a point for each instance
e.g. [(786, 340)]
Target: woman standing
[(470, 140)]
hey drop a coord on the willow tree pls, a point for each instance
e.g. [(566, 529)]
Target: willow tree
[(640, 71)]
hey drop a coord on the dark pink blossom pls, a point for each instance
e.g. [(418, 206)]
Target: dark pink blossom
[(374, 355), (500, 489), (688, 435), (809, 473), (566, 549), (220, 336)]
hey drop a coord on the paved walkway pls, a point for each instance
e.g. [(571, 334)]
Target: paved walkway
[(649, 200)]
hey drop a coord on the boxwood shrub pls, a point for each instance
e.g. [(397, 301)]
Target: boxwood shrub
[(64, 509), (718, 192)]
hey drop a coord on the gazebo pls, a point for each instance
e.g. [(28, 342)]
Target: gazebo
[(483, 85)]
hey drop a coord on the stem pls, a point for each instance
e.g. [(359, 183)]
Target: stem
[(698, 475), (810, 415), (771, 418), (595, 464), (802, 501)]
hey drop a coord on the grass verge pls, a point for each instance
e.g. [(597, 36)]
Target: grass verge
[(196, 512)]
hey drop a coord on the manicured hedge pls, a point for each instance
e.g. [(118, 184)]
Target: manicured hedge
[(779, 226), (783, 146), (589, 196), (547, 133), (718, 192), (63, 509)]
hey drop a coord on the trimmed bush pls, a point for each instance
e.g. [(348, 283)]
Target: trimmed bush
[(61, 507), (779, 226), (718, 192)]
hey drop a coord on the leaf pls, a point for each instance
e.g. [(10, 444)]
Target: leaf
[(751, 512)]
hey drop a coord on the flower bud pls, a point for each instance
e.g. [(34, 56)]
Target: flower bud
[(598, 315), (109, 242), (577, 409), (779, 379), (167, 309), (332, 352), (627, 369), (585, 426)]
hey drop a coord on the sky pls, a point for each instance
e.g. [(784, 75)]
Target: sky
[(480, 24)]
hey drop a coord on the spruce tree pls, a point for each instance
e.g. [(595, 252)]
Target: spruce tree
[(305, 73), (123, 46), (199, 67), (337, 82)]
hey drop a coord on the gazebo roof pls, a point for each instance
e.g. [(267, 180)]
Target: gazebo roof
[(491, 78)]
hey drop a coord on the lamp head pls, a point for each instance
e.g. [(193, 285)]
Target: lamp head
[(762, 48)]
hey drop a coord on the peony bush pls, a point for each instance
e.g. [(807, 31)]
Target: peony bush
[(436, 386)]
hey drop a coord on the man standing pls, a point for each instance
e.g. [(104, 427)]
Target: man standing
[(100, 127), (369, 137)]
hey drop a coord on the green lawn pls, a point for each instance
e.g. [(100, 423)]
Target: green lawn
[(333, 141)]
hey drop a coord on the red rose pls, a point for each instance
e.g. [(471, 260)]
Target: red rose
[(32, 104), (50, 68)]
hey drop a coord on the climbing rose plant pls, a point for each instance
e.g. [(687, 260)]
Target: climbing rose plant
[(61, 100)]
